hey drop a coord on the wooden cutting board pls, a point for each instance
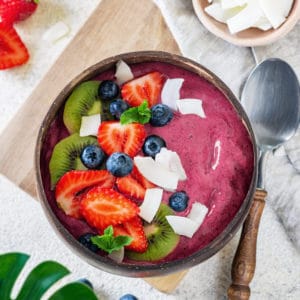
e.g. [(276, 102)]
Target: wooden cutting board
[(115, 27)]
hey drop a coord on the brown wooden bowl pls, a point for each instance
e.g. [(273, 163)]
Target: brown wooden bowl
[(138, 270), (252, 36)]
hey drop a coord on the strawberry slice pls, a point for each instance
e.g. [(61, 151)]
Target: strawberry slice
[(134, 185), (147, 87), (12, 50), (70, 185), (130, 187), (133, 228), (12, 11), (114, 137), (102, 207)]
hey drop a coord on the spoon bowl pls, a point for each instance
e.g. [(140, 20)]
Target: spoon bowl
[(271, 100)]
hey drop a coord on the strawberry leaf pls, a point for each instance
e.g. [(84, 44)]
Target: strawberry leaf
[(139, 114), (108, 242)]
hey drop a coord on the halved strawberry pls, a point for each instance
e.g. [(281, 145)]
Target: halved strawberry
[(133, 228), (12, 11), (102, 207), (147, 87), (72, 183), (134, 185), (12, 50), (114, 137)]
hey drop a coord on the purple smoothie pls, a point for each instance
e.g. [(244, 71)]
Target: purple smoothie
[(222, 187)]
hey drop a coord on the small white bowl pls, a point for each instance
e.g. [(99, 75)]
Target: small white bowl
[(249, 37)]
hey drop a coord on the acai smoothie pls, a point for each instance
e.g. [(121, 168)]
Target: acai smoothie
[(122, 156)]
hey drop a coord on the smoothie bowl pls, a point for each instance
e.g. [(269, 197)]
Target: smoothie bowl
[(146, 164)]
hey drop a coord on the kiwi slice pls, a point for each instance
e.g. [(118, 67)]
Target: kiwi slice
[(84, 101), (162, 240), (66, 156)]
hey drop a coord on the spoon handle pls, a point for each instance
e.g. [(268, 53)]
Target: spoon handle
[(243, 265)]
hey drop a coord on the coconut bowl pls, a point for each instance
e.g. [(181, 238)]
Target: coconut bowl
[(103, 262)]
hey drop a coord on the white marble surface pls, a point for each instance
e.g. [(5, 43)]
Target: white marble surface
[(278, 263)]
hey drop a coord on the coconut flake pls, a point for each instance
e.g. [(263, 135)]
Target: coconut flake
[(216, 11), (171, 92), (156, 173), (182, 225), (222, 15), (123, 72), (245, 18), (198, 213), (263, 24), (191, 106), (151, 204), (56, 32), (171, 161), (226, 4), (276, 11), (117, 255), (89, 125)]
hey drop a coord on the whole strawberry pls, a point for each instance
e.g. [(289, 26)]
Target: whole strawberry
[(12, 11)]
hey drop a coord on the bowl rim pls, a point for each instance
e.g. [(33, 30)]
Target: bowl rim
[(126, 269), (263, 38)]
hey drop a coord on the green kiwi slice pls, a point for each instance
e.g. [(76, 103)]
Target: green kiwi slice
[(84, 101), (162, 240), (66, 156)]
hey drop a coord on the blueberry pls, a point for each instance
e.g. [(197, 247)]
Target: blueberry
[(86, 282), (119, 164), (161, 115), (117, 107), (92, 156), (179, 201), (108, 90), (152, 145), (85, 240), (128, 297)]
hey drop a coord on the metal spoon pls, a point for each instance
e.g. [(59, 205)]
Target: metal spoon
[(271, 98)]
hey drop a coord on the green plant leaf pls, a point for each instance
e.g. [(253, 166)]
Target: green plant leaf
[(108, 242), (74, 291), (40, 279), (139, 114), (11, 265)]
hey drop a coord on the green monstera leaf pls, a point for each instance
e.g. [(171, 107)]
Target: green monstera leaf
[(40, 279)]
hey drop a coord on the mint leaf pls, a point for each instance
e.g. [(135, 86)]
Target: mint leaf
[(109, 230), (108, 242), (139, 114)]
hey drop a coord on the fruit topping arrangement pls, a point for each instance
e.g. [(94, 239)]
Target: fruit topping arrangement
[(13, 51), (112, 173)]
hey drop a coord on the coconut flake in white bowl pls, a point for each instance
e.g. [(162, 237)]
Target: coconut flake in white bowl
[(243, 14)]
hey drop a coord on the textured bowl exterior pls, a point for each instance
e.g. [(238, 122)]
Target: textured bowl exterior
[(252, 36), (159, 269)]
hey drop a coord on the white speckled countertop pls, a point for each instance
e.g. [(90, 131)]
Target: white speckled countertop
[(278, 262)]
